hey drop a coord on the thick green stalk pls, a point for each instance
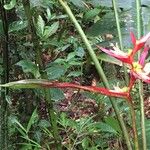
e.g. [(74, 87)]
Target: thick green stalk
[(98, 67), (139, 31), (120, 36), (37, 48), (4, 79)]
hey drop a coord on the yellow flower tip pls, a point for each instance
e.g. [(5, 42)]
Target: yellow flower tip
[(129, 52), (137, 42), (137, 67), (124, 89)]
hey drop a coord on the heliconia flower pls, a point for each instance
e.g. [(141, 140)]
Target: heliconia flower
[(133, 38), (143, 55), (138, 44), (118, 54), (141, 72), (141, 75), (140, 69)]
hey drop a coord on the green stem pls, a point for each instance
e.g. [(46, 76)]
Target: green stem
[(37, 48), (120, 36), (4, 79), (98, 67), (133, 116), (139, 31)]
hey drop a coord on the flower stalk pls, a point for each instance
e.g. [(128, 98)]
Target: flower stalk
[(120, 36), (139, 32)]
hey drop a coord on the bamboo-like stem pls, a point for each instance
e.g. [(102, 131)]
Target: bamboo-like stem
[(37, 48), (120, 36), (139, 32), (4, 79), (98, 67)]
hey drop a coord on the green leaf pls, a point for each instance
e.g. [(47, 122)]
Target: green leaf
[(80, 52), (104, 127), (104, 57), (44, 123), (74, 74), (86, 143), (107, 24), (29, 83), (55, 71), (49, 15), (63, 48), (29, 67), (1, 28), (92, 13), (108, 3), (78, 3), (113, 123), (32, 120), (40, 26), (17, 25), (50, 30), (70, 56), (57, 94), (10, 5), (22, 130)]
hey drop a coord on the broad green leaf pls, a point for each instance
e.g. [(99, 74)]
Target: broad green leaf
[(74, 74), (105, 57), (113, 123), (44, 123), (55, 71), (70, 56), (78, 3), (10, 5), (108, 3), (40, 26), (105, 25), (74, 63), (50, 30), (48, 13), (104, 127), (63, 48), (91, 13), (32, 120), (29, 67), (80, 52), (17, 26), (41, 3), (57, 94), (38, 136)]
